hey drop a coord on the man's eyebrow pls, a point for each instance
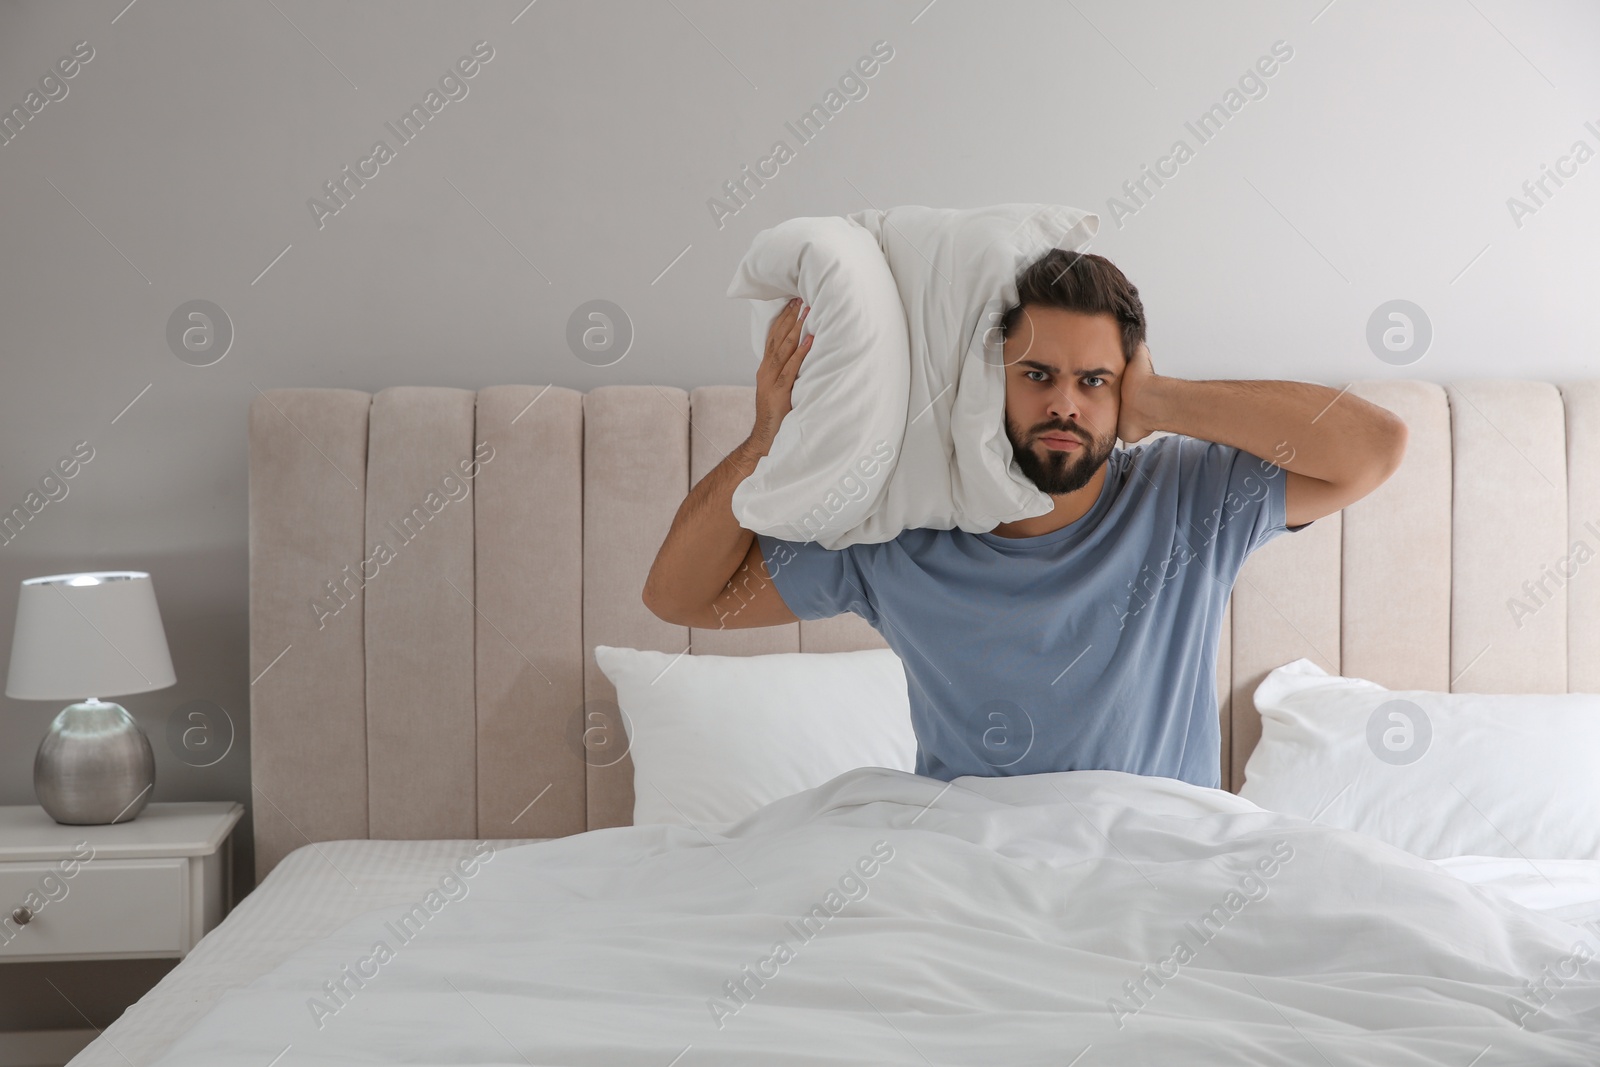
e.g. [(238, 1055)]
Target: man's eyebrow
[(1051, 368)]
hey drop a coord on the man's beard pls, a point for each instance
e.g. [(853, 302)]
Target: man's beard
[(1059, 472)]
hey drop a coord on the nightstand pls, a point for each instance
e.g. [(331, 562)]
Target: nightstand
[(149, 888)]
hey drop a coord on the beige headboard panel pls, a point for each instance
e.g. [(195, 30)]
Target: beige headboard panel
[(421, 631)]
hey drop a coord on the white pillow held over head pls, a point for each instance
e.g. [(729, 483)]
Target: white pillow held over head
[(819, 480), (906, 306)]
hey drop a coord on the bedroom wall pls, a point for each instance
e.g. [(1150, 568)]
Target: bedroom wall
[(1360, 154)]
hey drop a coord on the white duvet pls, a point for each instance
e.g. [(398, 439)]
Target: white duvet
[(1086, 918)]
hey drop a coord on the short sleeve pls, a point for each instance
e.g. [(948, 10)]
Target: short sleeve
[(815, 582), (1232, 501)]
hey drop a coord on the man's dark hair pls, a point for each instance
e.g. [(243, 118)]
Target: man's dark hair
[(1082, 282)]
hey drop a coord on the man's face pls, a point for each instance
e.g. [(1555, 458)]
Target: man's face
[(1063, 392)]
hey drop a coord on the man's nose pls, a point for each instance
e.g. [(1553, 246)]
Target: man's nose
[(1063, 405)]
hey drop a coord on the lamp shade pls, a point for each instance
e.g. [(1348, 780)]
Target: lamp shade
[(96, 634)]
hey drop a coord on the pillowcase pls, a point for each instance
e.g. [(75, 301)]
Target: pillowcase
[(714, 738), (1436, 774), (830, 463), (897, 415)]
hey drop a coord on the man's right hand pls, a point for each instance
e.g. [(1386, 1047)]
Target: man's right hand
[(786, 350)]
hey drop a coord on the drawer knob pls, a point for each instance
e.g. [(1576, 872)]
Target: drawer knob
[(22, 916)]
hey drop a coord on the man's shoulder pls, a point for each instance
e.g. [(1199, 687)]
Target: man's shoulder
[(1176, 453), (1154, 459), (904, 540), (922, 538), (1160, 445)]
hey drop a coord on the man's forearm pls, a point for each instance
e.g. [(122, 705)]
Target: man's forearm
[(706, 543), (1300, 426)]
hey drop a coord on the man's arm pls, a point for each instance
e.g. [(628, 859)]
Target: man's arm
[(709, 571), (1336, 447)]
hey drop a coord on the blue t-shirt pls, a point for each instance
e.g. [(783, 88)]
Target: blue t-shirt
[(1090, 647)]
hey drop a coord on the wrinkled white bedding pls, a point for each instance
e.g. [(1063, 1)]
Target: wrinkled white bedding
[(997, 920), (1568, 890)]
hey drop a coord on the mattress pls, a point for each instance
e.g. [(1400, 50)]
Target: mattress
[(314, 891)]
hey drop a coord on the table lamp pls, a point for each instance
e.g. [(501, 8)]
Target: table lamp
[(98, 632)]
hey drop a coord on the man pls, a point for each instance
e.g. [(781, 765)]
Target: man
[(1085, 637)]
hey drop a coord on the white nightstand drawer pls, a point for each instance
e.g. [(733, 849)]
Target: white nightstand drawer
[(137, 907)]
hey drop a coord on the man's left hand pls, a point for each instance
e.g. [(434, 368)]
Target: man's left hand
[(1135, 420)]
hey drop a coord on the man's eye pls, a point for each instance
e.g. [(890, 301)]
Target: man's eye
[(1094, 378), (1029, 375)]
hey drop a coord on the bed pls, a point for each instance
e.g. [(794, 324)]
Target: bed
[(403, 716)]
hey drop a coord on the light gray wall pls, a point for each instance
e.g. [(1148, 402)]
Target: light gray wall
[(1376, 165)]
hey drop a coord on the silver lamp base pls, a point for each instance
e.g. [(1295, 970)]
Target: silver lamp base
[(94, 767)]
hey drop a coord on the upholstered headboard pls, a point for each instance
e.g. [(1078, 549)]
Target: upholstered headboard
[(443, 685)]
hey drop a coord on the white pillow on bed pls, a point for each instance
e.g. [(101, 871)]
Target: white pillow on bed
[(1437, 774), (713, 738)]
